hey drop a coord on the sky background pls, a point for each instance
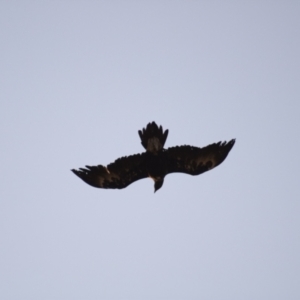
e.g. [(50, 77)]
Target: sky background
[(79, 79)]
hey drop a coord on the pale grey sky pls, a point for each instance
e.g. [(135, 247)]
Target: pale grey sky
[(79, 79)]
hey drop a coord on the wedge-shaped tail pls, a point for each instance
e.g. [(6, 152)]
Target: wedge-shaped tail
[(153, 137)]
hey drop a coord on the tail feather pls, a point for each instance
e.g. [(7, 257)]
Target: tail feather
[(153, 138)]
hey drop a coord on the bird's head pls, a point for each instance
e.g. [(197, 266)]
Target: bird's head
[(158, 184)]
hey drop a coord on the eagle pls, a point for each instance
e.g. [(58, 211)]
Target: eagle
[(156, 162)]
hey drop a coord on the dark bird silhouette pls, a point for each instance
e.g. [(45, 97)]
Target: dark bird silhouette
[(156, 162)]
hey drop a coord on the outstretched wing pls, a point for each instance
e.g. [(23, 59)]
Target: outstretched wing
[(116, 175), (194, 160)]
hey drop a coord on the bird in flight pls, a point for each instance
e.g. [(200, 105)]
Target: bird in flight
[(156, 162)]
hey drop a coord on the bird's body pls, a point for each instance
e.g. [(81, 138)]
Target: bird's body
[(156, 162)]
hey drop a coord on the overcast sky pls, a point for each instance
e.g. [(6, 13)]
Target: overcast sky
[(79, 79)]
